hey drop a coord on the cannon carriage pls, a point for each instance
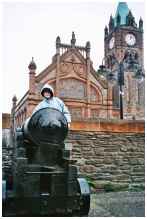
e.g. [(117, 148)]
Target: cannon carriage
[(45, 178)]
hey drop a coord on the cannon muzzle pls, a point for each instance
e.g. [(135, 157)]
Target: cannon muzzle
[(46, 126)]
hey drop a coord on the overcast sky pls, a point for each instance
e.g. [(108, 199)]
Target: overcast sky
[(30, 28)]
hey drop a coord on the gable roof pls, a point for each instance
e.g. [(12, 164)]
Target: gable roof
[(62, 57), (65, 55)]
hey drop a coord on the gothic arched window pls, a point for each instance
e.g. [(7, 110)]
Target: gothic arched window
[(115, 95)]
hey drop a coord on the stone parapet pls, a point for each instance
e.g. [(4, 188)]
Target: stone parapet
[(122, 126)]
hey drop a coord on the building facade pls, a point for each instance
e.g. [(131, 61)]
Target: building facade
[(124, 40), (80, 86), (74, 80)]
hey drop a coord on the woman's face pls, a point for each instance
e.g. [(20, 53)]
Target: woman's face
[(47, 94)]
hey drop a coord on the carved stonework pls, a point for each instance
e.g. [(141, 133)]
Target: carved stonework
[(79, 69), (76, 113), (94, 113), (73, 59), (65, 68), (94, 96), (72, 88), (103, 114), (68, 67)]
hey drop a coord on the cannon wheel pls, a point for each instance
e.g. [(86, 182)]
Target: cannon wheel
[(84, 202)]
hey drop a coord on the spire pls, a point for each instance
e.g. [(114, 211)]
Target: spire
[(130, 21), (88, 46), (58, 42), (73, 40), (111, 23), (106, 31), (122, 11), (140, 24), (32, 66), (14, 101)]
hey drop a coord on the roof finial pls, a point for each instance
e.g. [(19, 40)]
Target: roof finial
[(14, 99), (32, 65), (106, 31), (141, 24), (58, 41), (73, 40), (111, 23)]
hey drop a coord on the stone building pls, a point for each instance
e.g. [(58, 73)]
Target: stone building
[(123, 42), (74, 79)]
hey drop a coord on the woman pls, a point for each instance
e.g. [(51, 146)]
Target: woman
[(53, 102)]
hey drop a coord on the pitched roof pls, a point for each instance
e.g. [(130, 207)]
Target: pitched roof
[(122, 10), (62, 58)]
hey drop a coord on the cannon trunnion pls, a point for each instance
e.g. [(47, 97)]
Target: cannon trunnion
[(45, 179)]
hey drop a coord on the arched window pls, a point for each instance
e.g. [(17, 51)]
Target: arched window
[(115, 95)]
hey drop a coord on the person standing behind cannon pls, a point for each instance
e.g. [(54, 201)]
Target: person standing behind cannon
[(53, 102)]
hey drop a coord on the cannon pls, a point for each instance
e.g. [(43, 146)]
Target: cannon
[(45, 178)]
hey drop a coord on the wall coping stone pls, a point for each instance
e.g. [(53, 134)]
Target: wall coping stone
[(123, 126)]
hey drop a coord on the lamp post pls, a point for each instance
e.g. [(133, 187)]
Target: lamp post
[(129, 62), (121, 84)]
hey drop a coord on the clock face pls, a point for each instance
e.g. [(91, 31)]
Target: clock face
[(111, 43), (130, 39)]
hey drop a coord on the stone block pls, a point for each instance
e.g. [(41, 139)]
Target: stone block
[(122, 176), (138, 179), (88, 169), (108, 160), (133, 161), (138, 169), (91, 161), (99, 151), (87, 154)]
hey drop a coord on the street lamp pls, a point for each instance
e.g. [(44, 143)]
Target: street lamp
[(129, 62)]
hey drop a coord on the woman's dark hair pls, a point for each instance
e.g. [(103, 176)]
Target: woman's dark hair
[(47, 90)]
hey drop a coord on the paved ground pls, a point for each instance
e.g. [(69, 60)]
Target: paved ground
[(117, 204)]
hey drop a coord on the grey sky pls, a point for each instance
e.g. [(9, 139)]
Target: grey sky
[(30, 28)]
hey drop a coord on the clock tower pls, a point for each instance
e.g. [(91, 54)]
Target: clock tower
[(122, 38)]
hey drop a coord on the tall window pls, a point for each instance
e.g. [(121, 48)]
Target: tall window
[(115, 95)]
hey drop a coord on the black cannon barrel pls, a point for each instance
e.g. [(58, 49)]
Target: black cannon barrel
[(45, 126)]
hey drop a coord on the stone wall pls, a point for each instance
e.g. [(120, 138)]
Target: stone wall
[(5, 120), (115, 158), (109, 152), (7, 152)]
